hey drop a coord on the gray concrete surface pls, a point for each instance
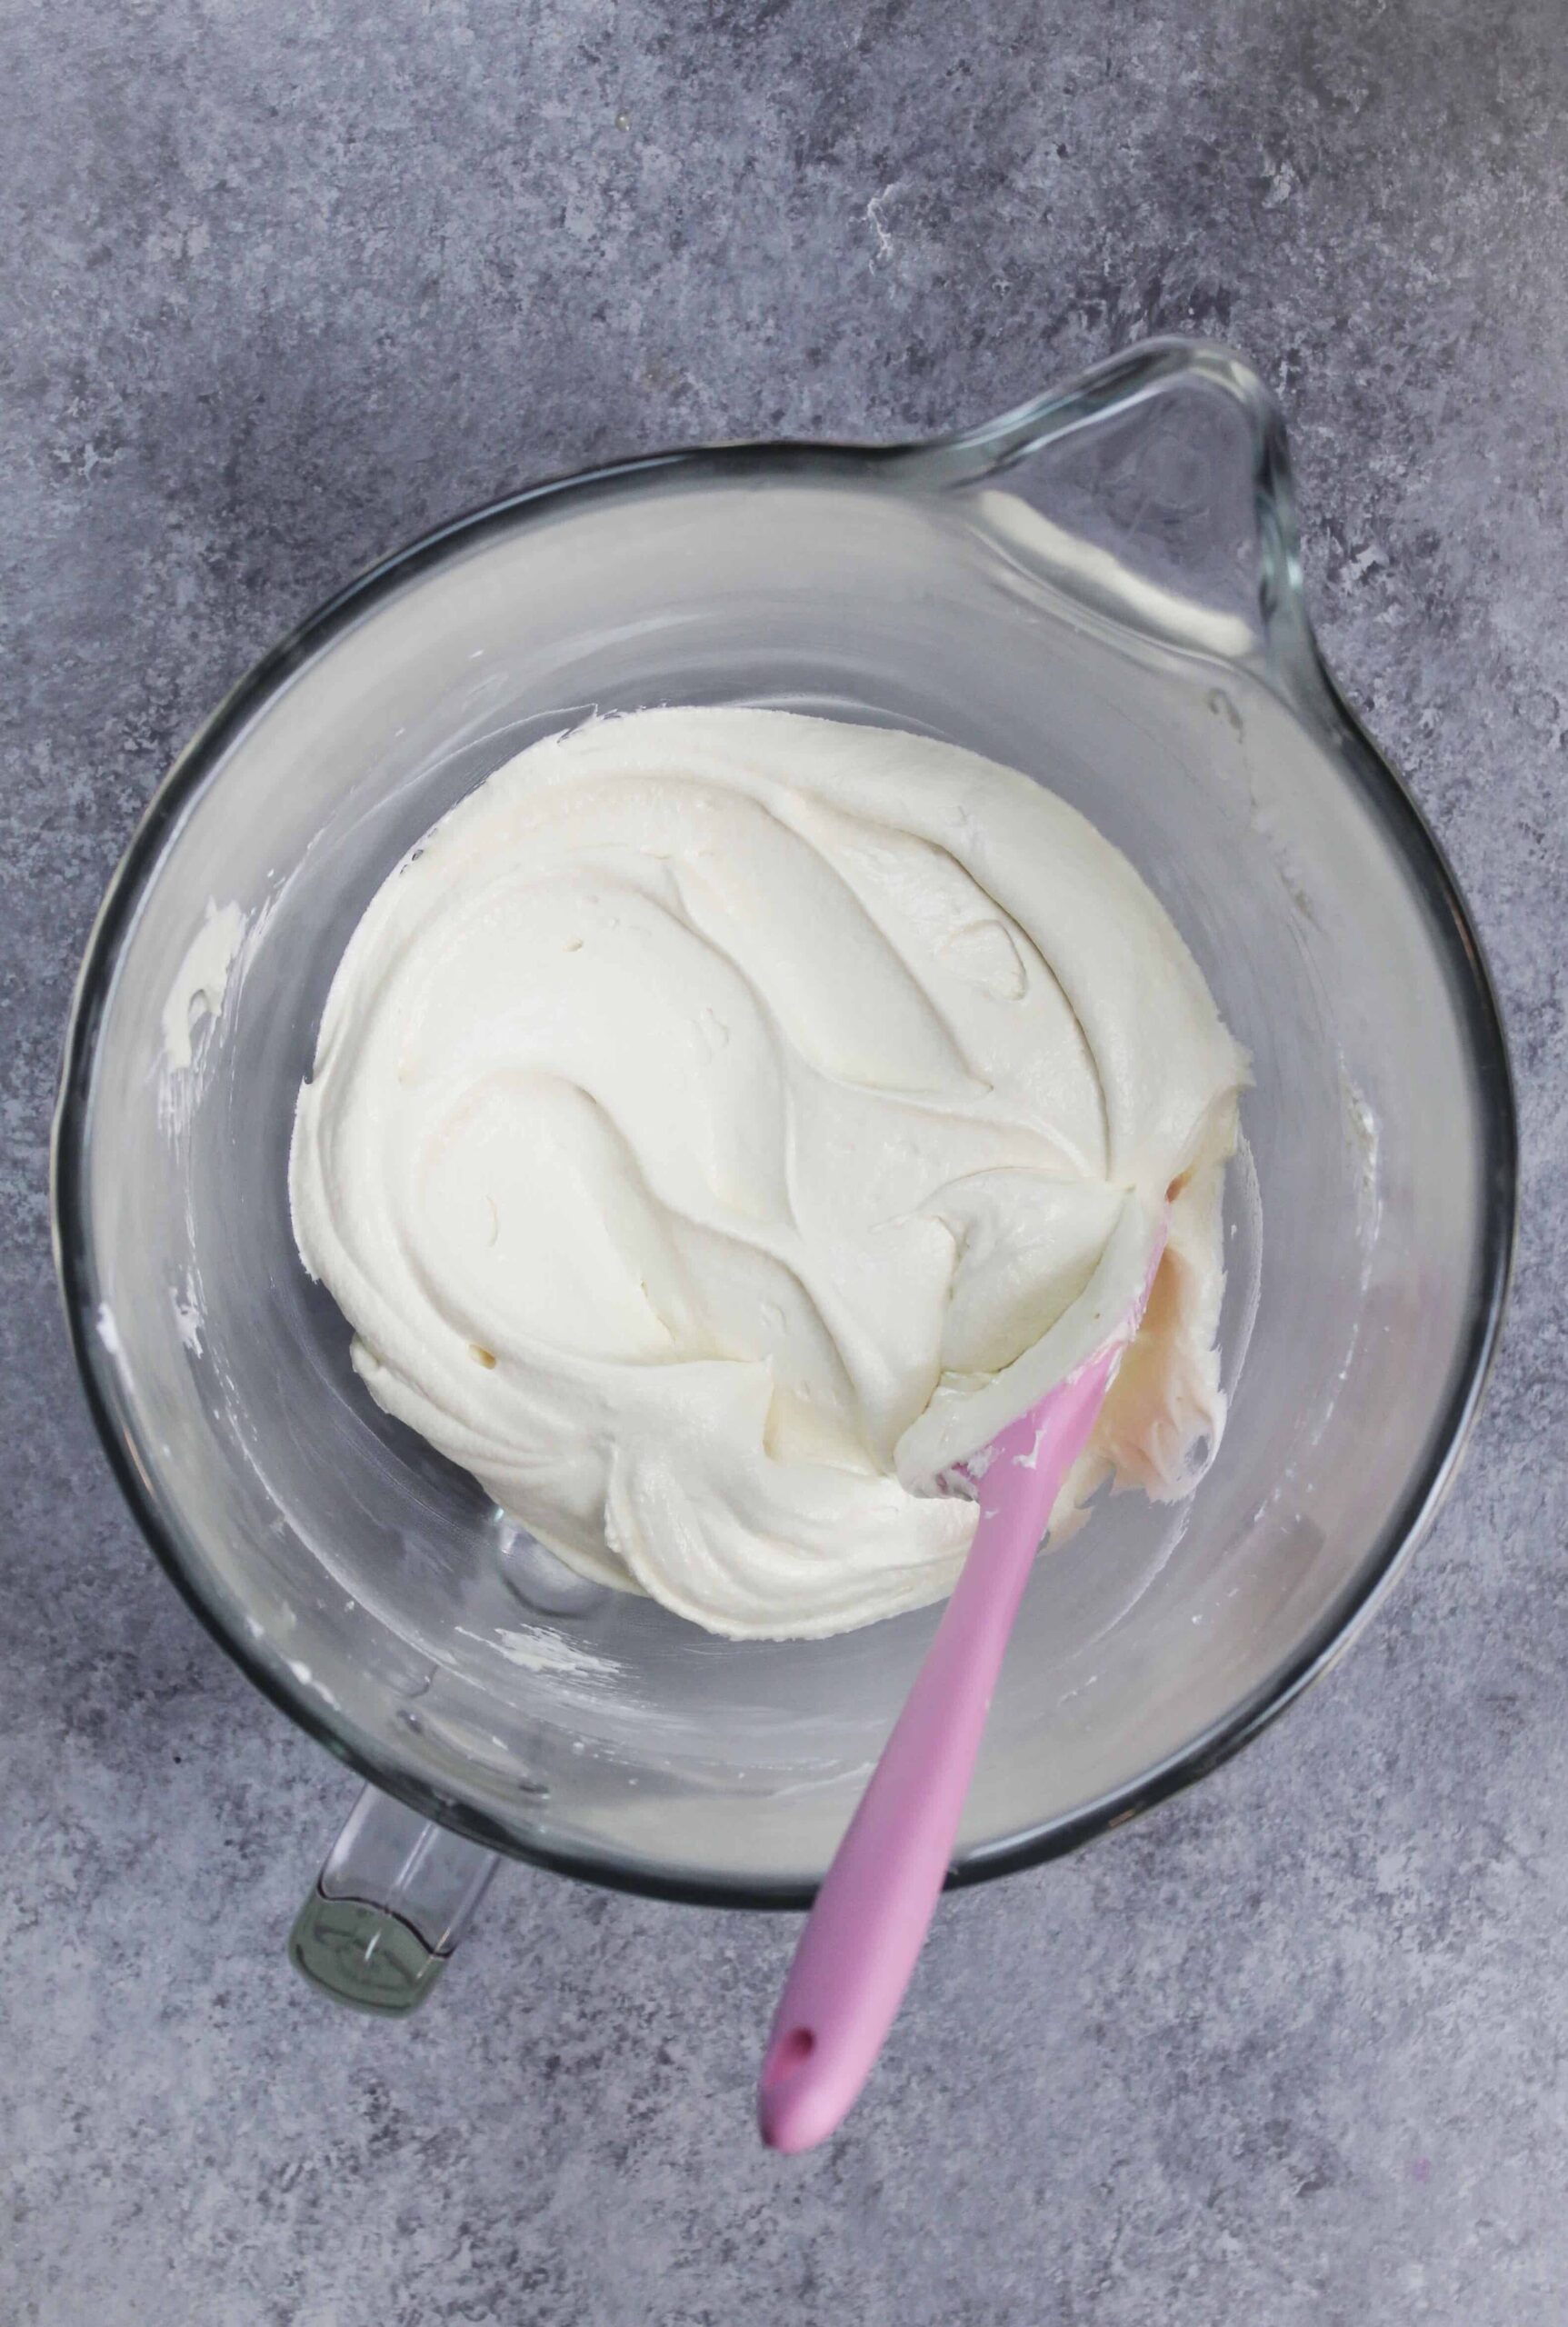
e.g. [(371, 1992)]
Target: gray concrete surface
[(281, 285)]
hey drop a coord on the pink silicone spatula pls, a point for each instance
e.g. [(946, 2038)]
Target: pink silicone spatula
[(865, 1931)]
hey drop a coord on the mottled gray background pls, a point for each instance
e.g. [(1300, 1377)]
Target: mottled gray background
[(284, 283)]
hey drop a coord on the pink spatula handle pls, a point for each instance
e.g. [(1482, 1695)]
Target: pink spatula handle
[(866, 1929)]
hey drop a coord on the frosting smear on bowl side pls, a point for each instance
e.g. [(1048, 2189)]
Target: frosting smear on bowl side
[(724, 1121)]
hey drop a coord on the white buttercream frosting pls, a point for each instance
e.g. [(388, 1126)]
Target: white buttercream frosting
[(724, 1120)]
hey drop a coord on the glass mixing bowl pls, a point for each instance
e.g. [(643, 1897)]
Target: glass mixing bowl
[(1102, 589)]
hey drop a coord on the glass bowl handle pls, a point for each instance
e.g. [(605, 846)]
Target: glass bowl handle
[(393, 1898)]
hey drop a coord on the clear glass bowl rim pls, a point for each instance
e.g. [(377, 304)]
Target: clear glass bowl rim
[(961, 456)]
